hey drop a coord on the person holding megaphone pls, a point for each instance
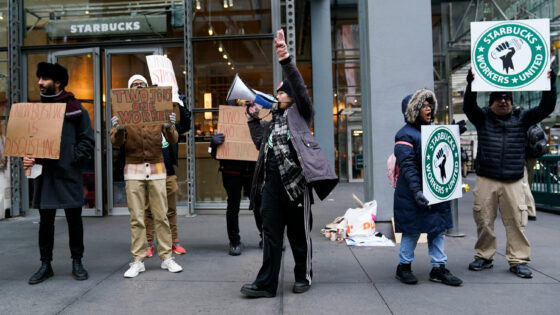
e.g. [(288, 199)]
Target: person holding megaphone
[(290, 163)]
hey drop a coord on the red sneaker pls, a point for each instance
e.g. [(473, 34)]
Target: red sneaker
[(177, 248), (150, 251)]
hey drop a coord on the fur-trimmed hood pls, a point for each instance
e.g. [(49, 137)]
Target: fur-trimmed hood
[(415, 103)]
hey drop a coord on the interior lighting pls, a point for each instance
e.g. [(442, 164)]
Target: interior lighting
[(86, 11), (229, 63), (230, 3), (208, 105), (197, 4), (1, 16), (210, 29), (225, 4), (232, 68), (225, 56), (220, 47)]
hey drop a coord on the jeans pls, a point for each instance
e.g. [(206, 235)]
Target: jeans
[(435, 248), (75, 233)]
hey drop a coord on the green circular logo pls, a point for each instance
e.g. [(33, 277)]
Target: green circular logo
[(510, 55), (442, 163)]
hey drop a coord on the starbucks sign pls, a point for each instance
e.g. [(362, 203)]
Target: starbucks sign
[(510, 55), (441, 163)]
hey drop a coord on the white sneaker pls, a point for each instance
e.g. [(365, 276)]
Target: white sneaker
[(171, 265), (135, 268)]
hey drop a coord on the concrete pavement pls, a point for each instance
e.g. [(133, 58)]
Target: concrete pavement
[(346, 280)]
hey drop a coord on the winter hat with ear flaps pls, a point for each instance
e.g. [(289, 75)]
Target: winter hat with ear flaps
[(53, 71), (415, 104)]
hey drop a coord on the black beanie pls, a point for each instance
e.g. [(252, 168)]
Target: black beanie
[(53, 71), (496, 95), (286, 87)]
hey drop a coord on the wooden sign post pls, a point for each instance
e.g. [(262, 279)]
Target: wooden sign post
[(232, 122), (147, 106)]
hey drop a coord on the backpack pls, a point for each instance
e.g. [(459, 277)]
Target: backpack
[(393, 169), (536, 142)]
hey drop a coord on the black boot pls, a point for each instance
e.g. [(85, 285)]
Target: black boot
[(78, 270), (42, 274), (443, 275), (404, 274)]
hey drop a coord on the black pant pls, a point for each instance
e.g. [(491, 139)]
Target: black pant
[(277, 213), (75, 233), (233, 183)]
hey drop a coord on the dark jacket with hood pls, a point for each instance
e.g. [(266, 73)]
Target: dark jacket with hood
[(60, 184), (411, 218), (502, 139), (317, 170)]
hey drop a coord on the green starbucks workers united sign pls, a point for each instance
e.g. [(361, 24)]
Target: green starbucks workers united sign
[(441, 163), (510, 55)]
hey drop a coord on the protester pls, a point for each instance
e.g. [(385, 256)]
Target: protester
[(236, 175), (170, 159), (412, 213), (145, 175), (290, 162), (60, 184), (502, 133)]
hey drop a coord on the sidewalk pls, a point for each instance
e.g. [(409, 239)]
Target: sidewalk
[(346, 280)]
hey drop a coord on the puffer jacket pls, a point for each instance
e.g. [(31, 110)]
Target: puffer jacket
[(317, 170), (411, 218), (143, 143), (502, 139)]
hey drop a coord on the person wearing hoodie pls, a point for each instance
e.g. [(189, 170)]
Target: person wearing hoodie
[(502, 136), (413, 215), (290, 163), (145, 176), (60, 184), (236, 176)]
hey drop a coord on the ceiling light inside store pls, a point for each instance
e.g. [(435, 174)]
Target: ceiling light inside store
[(86, 11), (210, 30), (197, 4), (230, 3), (1, 16), (225, 4), (220, 47), (229, 63), (225, 56), (232, 68)]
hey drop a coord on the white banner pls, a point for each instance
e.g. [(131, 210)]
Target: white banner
[(441, 163), (162, 74), (510, 55)]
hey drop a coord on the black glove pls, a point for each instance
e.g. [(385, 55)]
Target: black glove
[(182, 97), (218, 139), (552, 77), (470, 77), (420, 199), (462, 125)]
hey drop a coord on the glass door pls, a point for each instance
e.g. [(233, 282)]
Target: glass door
[(120, 65), (84, 71), (355, 154)]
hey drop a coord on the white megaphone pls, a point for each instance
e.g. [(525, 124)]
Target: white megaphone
[(240, 90)]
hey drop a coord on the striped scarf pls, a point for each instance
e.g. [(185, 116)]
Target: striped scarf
[(292, 175)]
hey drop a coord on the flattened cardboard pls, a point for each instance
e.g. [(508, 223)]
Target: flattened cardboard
[(147, 106)]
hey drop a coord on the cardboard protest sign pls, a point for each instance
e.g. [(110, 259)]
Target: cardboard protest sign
[(510, 55), (147, 106), (162, 74), (34, 130), (441, 163), (232, 122)]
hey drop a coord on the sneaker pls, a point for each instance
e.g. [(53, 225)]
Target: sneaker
[(171, 265), (521, 271), (443, 275), (404, 274), (150, 251), (177, 248), (480, 263), (235, 250), (135, 268)]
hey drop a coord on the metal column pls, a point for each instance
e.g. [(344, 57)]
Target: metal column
[(321, 56), (189, 93), (15, 40)]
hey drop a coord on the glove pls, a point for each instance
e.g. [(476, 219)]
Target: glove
[(420, 199), (115, 123), (552, 77), (172, 121), (462, 126), (182, 97), (218, 139), (470, 77)]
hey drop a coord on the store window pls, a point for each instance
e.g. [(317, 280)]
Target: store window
[(3, 24), (71, 21)]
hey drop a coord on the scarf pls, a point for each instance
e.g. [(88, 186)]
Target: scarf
[(291, 174), (73, 106)]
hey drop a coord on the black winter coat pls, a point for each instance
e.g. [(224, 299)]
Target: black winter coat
[(61, 185), (502, 139)]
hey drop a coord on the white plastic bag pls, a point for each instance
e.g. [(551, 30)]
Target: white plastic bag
[(361, 221)]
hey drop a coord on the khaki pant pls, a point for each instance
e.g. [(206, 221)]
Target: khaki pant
[(530, 168), (489, 195), (171, 187), (136, 193), (532, 211)]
